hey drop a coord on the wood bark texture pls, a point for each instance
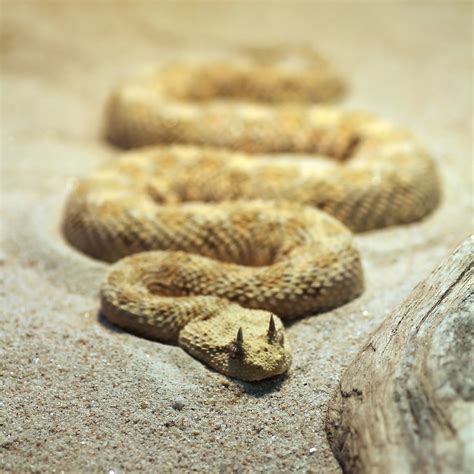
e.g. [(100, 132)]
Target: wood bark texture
[(405, 404)]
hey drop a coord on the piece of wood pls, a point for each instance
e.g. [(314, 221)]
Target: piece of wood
[(405, 404)]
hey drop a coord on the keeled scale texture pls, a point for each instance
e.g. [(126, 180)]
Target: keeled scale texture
[(275, 257), (177, 103), (280, 258)]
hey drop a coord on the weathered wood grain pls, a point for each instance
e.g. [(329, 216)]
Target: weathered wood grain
[(406, 403)]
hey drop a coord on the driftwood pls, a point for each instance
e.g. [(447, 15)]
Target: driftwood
[(405, 404)]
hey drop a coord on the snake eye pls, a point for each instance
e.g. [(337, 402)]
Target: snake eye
[(236, 350), (233, 352), (273, 334)]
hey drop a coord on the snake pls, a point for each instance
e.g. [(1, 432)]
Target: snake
[(215, 242)]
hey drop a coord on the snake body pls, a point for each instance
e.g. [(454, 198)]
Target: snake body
[(209, 248), (220, 102)]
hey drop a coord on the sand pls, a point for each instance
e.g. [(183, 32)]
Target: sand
[(77, 395)]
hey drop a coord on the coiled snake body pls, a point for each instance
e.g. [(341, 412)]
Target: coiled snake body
[(214, 243)]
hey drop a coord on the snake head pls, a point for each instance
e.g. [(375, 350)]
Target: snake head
[(243, 343), (259, 354)]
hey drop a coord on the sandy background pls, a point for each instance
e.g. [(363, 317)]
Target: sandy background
[(77, 395)]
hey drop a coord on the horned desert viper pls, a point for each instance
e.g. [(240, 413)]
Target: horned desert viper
[(225, 250)]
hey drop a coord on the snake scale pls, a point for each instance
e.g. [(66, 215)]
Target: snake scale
[(215, 240)]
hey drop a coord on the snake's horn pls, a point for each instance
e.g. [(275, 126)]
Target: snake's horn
[(240, 337), (271, 327)]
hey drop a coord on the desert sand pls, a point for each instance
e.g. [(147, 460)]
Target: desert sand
[(78, 395)]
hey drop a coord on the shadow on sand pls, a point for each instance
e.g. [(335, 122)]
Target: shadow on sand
[(255, 389)]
